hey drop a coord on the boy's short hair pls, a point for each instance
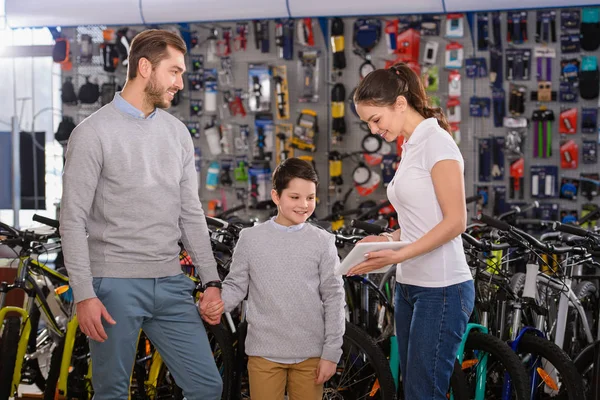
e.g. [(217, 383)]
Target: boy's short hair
[(293, 168)]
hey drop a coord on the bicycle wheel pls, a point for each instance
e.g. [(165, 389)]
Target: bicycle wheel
[(501, 360), (363, 370), (221, 343), (556, 376), (8, 358)]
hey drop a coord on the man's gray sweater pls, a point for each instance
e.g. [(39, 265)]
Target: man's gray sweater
[(130, 193)]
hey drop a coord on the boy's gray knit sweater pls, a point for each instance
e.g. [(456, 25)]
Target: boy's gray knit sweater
[(130, 192), (295, 302)]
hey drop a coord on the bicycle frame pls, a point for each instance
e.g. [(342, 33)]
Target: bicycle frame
[(481, 365)]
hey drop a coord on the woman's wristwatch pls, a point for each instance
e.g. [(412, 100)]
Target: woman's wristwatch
[(388, 235)]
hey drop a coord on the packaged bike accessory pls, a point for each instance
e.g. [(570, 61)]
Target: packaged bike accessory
[(482, 31), (590, 152), (233, 102), (241, 38), (589, 120), (196, 81), (588, 209), (261, 35), (568, 121), (282, 97), (240, 172), (335, 170), (305, 131), (498, 145), (547, 212), (284, 38), (545, 27), (259, 175), (241, 142), (496, 68), (337, 44), (569, 188), (225, 175), (569, 154), (304, 30), (516, 29), (589, 185), (518, 64), (210, 91), (485, 158), (89, 92), (366, 33), (259, 88), (212, 176), (589, 78), (590, 28), (213, 137), (517, 180), (283, 135), (455, 25), (453, 110), (194, 128), (476, 67), (365, 180), (455, 132), (542, 138), (568, 216), (544, 181), (224, 45), (496, 31), (498, 106), (65, 128), (545, 57), (226, 72), (515, 136), (431, 78), (196, 107), (570, 43), (338, 124), (567, 92), (226, 138), (86, 49), (516, 99), (308, 73), (454, 55), (479, 106), (569, 19), (454, 85), (408, 46), (430, 54), (264, 131)]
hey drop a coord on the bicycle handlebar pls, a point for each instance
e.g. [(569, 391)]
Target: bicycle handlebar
[(484, 245), (367, 227), (53, 223)]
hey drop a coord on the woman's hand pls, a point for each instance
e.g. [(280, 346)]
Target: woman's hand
[(376, 260), (373, 238)]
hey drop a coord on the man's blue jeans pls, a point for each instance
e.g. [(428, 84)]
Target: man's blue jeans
[(430, 323)]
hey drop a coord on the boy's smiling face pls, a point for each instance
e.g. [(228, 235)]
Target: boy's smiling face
[(296, 203)]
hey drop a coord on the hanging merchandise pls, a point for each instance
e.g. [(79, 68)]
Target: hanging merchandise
[(305, 131), (455, 26), (108, 90), (517, 180), (61, 53), (516, 99), (453, 110), (391, 36), (589, 185), (408, 46), (241, 141), (224, 45), (587, 209), (568, 121), (123, 45), (194, 39), (213, 137), (259, 90), (196, 107), (589, 78), (498, 144), (569, 188), (261, 35), (86, 49), (569, 154), (365, 180), (338, 124), (196, 81), (568, 216), (496, 71), (89, 92), (210, 90), (516, 27), (498, 106), (454, 84), (198, 159), (337, 44), (264, 130), (233, 102), (283, 149), (110, 56), (212, 53), (431, 78), (589, 120), (476, 67), (375, 148), (241, 36), (482, 31), (335, 170), (304, 30), (569, 70), (570, 42), (544, 57), (194, 128), (68, 95), (570, 19), (545, 27), (308, 73), (430, 25), (259, 176), (430, 53), (544, 181), (454, 55), (284, 38), (225, 175), (65, 128), (590, 28), (568, 93), (281, 91), (226, 72), (388, 168), (542, 136), (514, 143), (455, 132), (589, 152), (212, 176), (485, 158), (480, 106), (367, 66), (198, 64), (518, 64), (226, 138), (496, 42), (240, 172), (366, 33)]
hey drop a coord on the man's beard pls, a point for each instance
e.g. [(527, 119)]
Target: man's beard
[(155, 96)]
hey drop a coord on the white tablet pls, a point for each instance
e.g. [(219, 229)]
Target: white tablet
[(357, 255)]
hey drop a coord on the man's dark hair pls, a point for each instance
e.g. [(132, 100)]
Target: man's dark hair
[(290, 169), (152, 44)]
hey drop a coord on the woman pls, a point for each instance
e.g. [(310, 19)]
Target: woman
[(435, 291)]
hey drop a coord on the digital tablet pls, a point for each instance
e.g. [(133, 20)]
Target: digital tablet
[(357, 255)]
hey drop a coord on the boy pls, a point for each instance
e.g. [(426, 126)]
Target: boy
[(295, 316)]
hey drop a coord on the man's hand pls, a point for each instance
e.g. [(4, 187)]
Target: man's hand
[(211, 306), (89, 314), (325, 371)]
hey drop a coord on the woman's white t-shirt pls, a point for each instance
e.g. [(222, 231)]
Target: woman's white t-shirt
[(412, 194)]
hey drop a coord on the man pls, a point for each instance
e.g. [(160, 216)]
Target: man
[(130, 192)]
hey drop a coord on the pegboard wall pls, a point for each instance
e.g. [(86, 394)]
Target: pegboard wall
[(473, 130)]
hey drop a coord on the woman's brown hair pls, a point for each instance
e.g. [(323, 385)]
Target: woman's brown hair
[(382, 87)]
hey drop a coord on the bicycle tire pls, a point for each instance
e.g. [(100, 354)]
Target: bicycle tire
[(458, 383), (8, 357), (501, 352), (54, 371), (572, 380)]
